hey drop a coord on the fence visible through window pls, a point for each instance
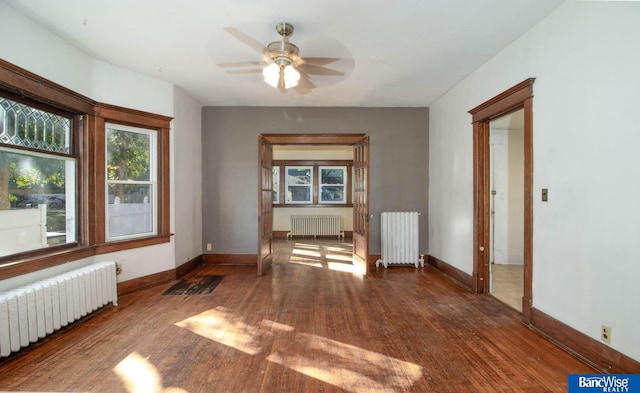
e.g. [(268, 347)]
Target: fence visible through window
[(37, 179)]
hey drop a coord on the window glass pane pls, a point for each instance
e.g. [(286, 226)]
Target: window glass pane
[(130, 210), (332, 194), (299, 175), (299, 194), (332, 176), (131, 182), (276, 184), (22, 125), (128, 155), (333, 184), (299, 181), (37, 206)]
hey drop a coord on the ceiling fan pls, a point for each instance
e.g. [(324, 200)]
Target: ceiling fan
[(282, 67)]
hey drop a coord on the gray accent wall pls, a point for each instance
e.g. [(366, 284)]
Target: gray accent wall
[(399, 165)]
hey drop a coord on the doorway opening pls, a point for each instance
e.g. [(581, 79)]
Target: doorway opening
[(360, 192), (519, 97), (506, 178)]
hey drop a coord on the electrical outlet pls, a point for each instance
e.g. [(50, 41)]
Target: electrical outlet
[(605, 334), (208, 246)]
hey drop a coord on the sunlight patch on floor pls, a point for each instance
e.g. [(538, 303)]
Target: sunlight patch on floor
[(343, 267), (345, 366), (305, 262), (348, 367), (297, 251), (224, 327), (338, 257), (140, 376), (307, 246), (343, 249)]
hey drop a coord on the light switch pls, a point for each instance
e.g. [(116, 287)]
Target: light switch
[(545, 195)]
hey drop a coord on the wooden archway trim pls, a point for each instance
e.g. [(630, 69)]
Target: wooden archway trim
[(518, 97), (311, 139), (503, 103)]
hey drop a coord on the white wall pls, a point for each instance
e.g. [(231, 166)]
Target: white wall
[(117, 86), (32, 47), (186, 140), (28, 45), (586, 249)]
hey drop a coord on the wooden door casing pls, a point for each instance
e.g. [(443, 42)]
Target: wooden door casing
[(361, 205), (265, 205)]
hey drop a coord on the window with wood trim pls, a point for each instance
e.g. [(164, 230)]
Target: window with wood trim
[(332, 184), (131, 182), (132, 172), (53, 154), (298, 184), (38, 169), (312, 183)]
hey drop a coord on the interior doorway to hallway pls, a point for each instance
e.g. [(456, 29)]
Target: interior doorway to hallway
[(506, 178), (518, 97)]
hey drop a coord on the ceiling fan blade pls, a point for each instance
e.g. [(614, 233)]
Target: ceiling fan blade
[(320, 61), (250, 42), (304, 84), (243, 64), (317, 70), (254, 71)]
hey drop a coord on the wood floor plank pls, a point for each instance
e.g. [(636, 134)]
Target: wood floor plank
[(304, 327)]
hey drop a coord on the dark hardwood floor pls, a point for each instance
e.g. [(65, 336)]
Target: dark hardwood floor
[(307, 326)]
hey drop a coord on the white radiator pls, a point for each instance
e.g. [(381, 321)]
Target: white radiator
[(315, 226), (400, 239), (32, 311)]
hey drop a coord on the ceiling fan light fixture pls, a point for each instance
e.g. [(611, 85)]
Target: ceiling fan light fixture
[(271, 74), (291, 77), (281, 76)]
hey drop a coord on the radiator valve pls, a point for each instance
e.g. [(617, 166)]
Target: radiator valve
[(118, 269)]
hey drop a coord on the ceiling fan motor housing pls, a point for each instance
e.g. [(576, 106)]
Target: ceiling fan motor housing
[(282, 53)]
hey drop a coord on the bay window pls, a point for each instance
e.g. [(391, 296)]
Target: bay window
[(77, 177)]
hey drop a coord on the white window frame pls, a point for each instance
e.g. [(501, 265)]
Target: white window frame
[(287, 184), (153, 180), (343, 184), (20, 234), (275, 184)]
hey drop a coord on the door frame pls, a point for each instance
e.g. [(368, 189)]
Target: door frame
[(311, 140), (265, 205), (518, 97)]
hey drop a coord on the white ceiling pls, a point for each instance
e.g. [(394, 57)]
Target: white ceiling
[(402, 53)]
